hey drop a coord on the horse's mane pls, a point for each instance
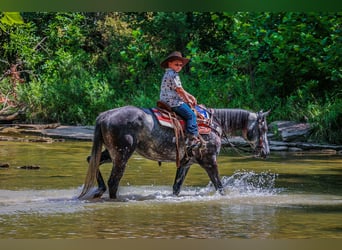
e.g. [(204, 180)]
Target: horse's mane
[(231, 120)]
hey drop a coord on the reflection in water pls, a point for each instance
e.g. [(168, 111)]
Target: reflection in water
[(284, 197)]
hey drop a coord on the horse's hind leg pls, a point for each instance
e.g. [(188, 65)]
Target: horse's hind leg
[(121, 155), (105, 157), (101, 186), (118, 170)]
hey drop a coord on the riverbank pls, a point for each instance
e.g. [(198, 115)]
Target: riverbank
[(45, 133), (287, 137)]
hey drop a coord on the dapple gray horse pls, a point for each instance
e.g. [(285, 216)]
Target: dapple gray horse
[(125, 130)]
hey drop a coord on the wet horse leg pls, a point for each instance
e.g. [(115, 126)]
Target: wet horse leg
[(101, 186), (118, 170), (121, 155), (212, 170), (105, 158), (181, 173)]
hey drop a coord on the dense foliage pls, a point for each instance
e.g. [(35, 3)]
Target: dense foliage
[(74, 65)]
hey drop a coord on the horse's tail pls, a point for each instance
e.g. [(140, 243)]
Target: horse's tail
[(94, 162)]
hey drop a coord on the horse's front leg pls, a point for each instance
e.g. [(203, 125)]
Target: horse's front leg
[(181, 173), (212, 170)]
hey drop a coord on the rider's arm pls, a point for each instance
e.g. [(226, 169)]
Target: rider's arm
[(188, 98)]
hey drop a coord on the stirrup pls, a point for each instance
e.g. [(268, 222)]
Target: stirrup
[(196, 142), (203, 142)]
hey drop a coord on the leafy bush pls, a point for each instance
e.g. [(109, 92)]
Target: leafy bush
[(327, 120)]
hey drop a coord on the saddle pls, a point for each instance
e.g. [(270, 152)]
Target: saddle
[(168, 118)]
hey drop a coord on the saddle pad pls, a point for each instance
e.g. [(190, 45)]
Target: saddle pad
[(163, 118), (202, 111)]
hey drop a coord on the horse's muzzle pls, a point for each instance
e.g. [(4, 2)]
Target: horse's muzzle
[(263, 153)]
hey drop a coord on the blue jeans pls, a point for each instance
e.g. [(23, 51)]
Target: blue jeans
[(189, 116)]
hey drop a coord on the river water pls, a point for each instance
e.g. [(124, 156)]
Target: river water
[(287, 196)]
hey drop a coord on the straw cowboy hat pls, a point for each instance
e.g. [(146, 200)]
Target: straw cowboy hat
[(172, 57)]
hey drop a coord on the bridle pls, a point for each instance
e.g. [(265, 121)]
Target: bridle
[(262, 130), (259, 124)]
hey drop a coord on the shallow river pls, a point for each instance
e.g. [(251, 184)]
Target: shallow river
[(284, 197)]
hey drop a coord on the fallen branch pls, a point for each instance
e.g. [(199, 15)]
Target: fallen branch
[(11, 117), (5, 110)]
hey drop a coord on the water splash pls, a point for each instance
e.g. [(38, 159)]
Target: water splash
[(249, 182), (241, 184)]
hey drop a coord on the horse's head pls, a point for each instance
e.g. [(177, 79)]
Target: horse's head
[(257, 133)]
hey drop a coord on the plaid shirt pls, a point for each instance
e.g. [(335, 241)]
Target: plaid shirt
[(168, 87)]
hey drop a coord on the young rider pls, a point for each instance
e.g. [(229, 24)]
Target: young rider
[(173, 94)]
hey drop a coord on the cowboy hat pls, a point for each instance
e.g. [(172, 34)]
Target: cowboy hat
[(172, 57)]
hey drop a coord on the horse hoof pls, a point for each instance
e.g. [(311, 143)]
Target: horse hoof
[(98, 194), (176, 193), (113, 197), (221, 192)]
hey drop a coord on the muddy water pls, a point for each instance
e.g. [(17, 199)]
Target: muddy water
[(287, 196)]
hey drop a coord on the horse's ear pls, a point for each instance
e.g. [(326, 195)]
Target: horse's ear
[(266, 113)]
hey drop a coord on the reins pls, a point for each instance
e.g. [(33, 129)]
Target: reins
[(177, 127), (224, 135), (237, 149)]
